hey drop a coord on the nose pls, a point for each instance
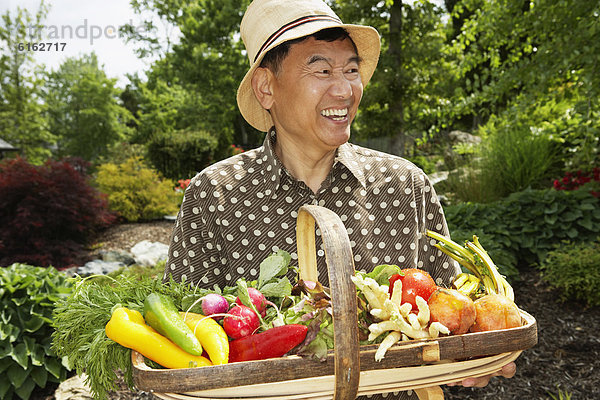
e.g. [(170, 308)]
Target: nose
[(341, 86)]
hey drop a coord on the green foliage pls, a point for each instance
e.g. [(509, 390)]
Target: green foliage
[(408, 93), (83, 109), (572, 268), (511, 158), (135, 191), (22, 121), (27, 296), (182, 153), (521, 229), (80, 318)]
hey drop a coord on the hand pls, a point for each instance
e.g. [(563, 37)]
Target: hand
[(507, 371)]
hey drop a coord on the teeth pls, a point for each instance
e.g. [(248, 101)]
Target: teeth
[(335, 113)]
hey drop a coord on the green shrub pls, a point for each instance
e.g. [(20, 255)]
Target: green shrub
[(512, 157), (27, 295), (574, 269), (527, 224), (135, 191), (182, 154)]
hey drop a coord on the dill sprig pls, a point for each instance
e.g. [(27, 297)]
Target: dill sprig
[(79, 322)]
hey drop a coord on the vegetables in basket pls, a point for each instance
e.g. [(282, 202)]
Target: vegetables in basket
[(128, 328)]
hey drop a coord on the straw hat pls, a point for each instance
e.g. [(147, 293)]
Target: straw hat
[(268, 23)]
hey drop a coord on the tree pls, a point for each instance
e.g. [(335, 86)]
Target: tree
[(203, 68), (534, 63), (413, 80), (83, 109), (22, 121)]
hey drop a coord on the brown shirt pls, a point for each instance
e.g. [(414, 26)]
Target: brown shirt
[(238, 211)]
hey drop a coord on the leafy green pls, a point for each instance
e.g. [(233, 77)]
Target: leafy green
[(27, 298), (382, 273), (80, 319)]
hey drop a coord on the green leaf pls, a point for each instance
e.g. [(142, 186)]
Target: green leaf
[(572, 233), (19, 354), (5, 385), (586, 223), (24, 391), (281, 288), (382, 273), (40, 376), (37, 355), (53, 366), (272, 266), (33, 324), (17, 375)]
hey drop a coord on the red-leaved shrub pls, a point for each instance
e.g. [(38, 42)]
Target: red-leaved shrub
[(48, 213)]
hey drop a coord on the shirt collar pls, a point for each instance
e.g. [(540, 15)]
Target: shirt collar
[(273, 168)]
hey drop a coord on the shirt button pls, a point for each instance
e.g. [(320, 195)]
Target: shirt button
[(315, 202)]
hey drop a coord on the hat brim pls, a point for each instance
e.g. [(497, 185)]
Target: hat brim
[(367, 43)]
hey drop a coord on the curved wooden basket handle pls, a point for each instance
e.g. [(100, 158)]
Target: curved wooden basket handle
[(340, 266)]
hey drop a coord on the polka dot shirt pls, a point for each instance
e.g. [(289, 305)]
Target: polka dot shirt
[(238, 211)]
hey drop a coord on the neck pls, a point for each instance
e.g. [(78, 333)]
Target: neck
[(305, 163)]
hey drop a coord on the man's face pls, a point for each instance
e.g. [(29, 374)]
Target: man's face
[(316, 93)]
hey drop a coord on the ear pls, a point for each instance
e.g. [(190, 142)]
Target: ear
[(262, 84)]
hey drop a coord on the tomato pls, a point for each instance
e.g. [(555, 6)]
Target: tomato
[(415, 282)]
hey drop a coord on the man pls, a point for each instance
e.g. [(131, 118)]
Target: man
[(304, 86)]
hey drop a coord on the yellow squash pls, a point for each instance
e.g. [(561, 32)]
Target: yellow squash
[(128, 328)]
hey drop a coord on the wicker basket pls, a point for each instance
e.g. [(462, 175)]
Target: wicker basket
[(351, 369)]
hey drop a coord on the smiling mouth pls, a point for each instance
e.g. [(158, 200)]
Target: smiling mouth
[(338, 114)]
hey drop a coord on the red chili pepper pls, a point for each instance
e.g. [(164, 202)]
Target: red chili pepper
[(274, 342)]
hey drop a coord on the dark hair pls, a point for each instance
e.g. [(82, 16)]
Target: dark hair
[(274, 57)]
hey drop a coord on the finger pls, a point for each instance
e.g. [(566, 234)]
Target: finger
[(509, 370)]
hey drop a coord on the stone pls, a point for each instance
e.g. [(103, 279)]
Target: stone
[(117, 256), (73, 388), (99, 267), (147, 254), (463, 137)]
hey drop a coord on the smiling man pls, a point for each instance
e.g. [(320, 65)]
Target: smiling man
[(303, 88)]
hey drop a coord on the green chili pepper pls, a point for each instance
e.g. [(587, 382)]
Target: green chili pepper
[(161, 314)]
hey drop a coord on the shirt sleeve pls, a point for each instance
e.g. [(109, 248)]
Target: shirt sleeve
[(193, 251), (431, 217)]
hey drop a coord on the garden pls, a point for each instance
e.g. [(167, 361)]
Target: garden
[(497, 103)]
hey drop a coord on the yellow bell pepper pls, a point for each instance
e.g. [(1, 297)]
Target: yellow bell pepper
[(128, 328), (211, 335)]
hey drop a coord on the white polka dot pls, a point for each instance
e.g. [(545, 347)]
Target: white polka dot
[(381, 245), (249, 257), (406, 230), (236, 255), (240, 270)]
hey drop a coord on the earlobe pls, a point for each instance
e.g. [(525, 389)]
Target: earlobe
[(261, 85)]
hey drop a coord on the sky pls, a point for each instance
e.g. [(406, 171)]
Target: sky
[(87, 26)]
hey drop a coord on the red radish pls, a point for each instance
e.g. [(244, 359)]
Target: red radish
[(214, 303), (240, 321), (258, 299), (274, 342)]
